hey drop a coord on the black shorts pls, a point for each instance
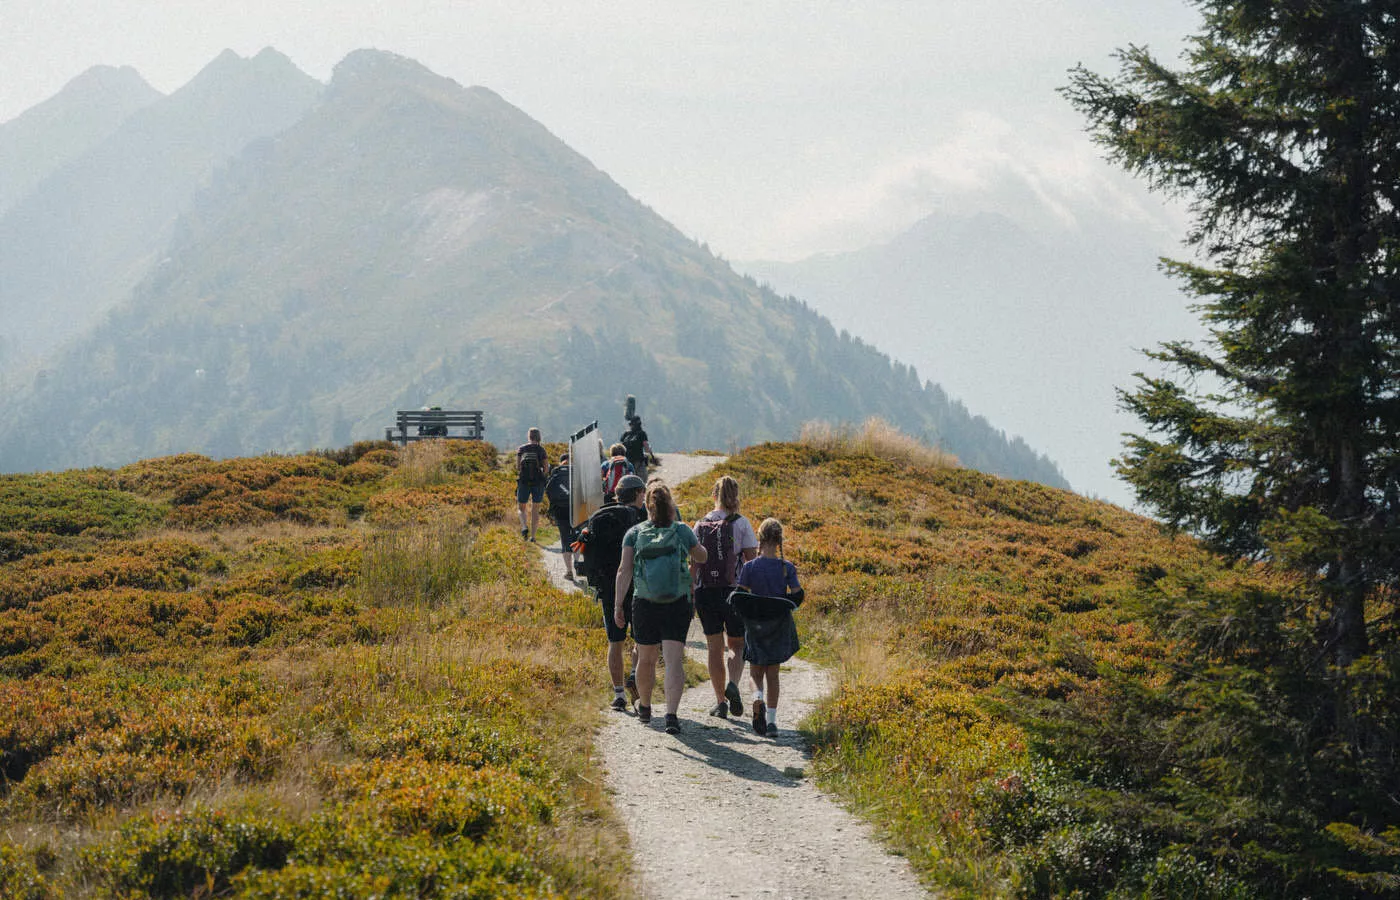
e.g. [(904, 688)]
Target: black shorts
[(653, 623), (615, 635), (715, 613)]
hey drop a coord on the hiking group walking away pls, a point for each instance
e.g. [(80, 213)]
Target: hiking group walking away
[(653, 574)]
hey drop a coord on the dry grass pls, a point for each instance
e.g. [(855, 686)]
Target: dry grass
[(423, 464), (875, 437), (819, 491)]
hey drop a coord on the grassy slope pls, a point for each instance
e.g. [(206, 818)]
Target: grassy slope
[(267, 676), (958, 607), (270, 675)]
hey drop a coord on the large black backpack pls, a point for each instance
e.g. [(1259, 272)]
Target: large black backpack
[(556, 490), (602, 541), (633, 441), (530, 471)]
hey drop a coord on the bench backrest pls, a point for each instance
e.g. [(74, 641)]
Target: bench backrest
[(410, 418), (425, 424)]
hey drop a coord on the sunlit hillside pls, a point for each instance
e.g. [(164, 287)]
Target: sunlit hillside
[(344, 671), (291, 676), (1043, 695)]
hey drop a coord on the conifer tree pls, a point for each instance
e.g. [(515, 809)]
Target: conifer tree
[(1278, 437)]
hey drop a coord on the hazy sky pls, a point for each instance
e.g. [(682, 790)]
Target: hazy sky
[(768, 130)]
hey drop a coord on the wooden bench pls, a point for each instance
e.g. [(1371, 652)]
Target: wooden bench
[(428, 424)]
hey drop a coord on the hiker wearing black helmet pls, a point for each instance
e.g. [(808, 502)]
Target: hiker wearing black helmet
[(600, 540), (634, 440), (655, 557), (729, 542)]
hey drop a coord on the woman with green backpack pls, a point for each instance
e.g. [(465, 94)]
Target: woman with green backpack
[(656, 554)]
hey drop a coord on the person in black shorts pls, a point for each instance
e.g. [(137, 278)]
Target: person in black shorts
[(601, 538), (729, 542), (655, 557), (531, 472)]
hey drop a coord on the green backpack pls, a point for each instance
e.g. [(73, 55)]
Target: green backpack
[(660, 564)]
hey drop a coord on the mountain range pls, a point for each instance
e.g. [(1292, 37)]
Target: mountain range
[(1034, 321), (78, 241), (393, 240), (67, 125)]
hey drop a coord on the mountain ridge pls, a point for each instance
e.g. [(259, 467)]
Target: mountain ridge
[(89, 231), (409, 241), (80, 115), (1035, 327)]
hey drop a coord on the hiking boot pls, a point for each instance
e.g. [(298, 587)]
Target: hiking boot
[(619, 704), (772, 729), (721, 710), (524, 534), (631, 686), (673, 724), (736, 703), (643, 714), (760, 718)]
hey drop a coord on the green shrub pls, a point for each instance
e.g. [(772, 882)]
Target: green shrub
[(20, 878), (188, 853)]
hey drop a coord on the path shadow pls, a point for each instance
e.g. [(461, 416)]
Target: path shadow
[(723, 747)]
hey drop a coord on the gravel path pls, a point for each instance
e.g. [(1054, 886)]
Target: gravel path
[(718, 811)]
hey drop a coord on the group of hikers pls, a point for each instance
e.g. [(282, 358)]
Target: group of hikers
[(654, 573)]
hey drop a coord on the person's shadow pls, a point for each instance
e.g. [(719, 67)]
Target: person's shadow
[(724, 747)]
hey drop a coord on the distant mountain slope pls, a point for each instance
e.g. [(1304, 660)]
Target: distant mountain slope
[(1034, 328), (90, 231), (410, 241), (45, 137)]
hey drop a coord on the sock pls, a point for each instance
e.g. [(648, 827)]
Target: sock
[(617, 690), (758, 694), (772, 715)]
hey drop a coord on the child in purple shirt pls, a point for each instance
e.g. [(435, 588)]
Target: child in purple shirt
[(770, 634)]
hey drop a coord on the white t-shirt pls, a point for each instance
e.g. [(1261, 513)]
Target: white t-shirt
[(744, 538)]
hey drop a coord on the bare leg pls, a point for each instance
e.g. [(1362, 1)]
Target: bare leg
[(772, 695), (714, 643), (736, 659), (615, 668), (647, 654), (675, 674), (534, 518), (756, 674), (523, 520)]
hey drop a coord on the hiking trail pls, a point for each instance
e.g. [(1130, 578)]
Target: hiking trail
[(717, 811)]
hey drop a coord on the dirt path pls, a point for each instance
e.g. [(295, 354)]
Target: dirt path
[(718, 811)]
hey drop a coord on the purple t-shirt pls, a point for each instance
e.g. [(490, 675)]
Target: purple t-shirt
[(769, 576)]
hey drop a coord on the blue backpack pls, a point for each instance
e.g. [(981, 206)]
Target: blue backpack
[(660, 566)]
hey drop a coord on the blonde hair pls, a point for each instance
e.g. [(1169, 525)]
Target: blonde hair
[(771, 532), (727, 493), (661, 509), (617, 450)]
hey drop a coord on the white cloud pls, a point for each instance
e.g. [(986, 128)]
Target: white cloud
[(1034, 173)]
